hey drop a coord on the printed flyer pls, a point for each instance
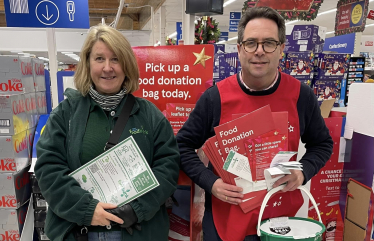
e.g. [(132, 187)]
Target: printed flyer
[(117, 176)]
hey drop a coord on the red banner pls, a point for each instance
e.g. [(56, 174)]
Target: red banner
[(325, 186), (371, 15), (174, 74), (286, 5)]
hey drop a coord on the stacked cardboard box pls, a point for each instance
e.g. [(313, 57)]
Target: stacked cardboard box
[(22, 100)]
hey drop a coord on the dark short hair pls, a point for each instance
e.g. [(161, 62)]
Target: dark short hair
[(262, 12)]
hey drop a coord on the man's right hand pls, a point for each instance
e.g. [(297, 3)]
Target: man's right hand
[(102, 217), (226, 192)]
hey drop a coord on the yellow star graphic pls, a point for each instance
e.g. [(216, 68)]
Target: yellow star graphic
[(201, 57), (276, 133), (284, 138)]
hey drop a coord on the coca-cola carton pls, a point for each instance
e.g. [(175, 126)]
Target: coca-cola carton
[(41, 102), (16, 75), (31, 109), (30, 141), (11, 223), (14, 152), (38, 72), (15, 189), (13, 117)]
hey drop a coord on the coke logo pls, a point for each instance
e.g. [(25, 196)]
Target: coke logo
[(39, 69), (39, 102), (20, 145), (8, 202), (44, 101), (31, 137), (26, 68), (18, 107), (33, 103), (12, 85), (7, 236), (22, 216), (28, 104), (21, 181), (6, 165)]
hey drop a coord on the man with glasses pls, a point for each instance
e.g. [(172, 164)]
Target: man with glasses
[(261, 38)]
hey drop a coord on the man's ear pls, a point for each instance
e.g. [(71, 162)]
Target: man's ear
[(281, 47)]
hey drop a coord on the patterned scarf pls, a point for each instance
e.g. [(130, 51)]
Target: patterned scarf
[(107, 102)]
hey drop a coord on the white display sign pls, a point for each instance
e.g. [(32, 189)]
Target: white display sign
[(117, 176)]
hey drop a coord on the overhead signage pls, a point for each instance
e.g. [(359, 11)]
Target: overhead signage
[(47, 13), (224, 36), (234, 21), (351, 17), (344, 44), (179, 31)]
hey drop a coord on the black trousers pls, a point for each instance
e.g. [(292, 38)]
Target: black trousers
[(210, 231)]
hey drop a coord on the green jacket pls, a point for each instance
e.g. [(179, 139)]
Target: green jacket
[(59, 149)]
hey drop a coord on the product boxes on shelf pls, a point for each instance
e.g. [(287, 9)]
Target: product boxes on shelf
[(359, 211), (327, 90), (300, 38), (16, 75), (331, 66), (13, 117), (301, 66), (11, 222), (38, 73), (30, 140), (282, 63), (15, 189), (218, 58), (14, 154), (31, 109), (41, 102)]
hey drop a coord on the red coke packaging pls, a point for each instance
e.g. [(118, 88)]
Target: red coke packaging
[(38, 73), (13, 116), (14, 154), (16, 75), (31, 109), (41, 102), (12, 222)]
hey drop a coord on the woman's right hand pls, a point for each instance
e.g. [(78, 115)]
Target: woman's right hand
[(102, 217)]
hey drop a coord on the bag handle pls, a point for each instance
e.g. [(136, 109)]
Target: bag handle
[(273, 191), (115, 134)]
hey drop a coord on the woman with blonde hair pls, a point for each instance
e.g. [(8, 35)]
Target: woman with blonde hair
[(77, 131)]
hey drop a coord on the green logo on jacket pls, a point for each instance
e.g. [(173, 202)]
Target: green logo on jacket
[(134, 131)]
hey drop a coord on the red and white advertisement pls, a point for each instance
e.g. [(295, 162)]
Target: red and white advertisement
[(344, 17), (231, 135), (174, 74), (371, 14), (369, 43), (325, 186)]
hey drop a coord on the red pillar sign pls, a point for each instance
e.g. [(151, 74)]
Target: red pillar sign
[(174, 74)]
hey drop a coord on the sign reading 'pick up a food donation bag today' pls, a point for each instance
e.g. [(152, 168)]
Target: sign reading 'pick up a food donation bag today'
[(174, 74)]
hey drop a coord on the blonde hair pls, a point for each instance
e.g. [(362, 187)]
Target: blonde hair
[(117, 43)]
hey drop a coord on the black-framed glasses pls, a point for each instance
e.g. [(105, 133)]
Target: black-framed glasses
[(269, 46)]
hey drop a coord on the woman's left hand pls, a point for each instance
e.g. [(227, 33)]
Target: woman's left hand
[(102, 217)]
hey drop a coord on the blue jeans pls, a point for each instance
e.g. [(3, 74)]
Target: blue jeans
[(210, 231), (105, 236)]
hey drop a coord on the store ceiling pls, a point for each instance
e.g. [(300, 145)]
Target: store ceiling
[(139, 18)]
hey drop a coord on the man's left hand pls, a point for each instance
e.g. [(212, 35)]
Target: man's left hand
[(293, 180)]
